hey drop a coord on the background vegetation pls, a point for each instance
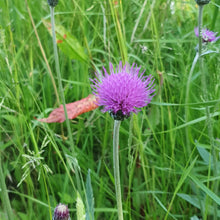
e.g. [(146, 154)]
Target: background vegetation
[(165, 155)]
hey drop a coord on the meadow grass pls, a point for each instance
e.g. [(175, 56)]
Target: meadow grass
[(166, 160)]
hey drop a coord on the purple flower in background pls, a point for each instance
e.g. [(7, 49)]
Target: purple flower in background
[(61, 212), (123, 91), (207, 35)]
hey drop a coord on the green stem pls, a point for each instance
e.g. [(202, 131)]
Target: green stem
[(116, 168), (119, 30), (215, 16), (62, 94), (5, 198), (190, 77), (209, 123), (187, 101), (200, 36)]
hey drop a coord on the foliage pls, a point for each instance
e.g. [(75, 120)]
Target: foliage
[(166, 160)]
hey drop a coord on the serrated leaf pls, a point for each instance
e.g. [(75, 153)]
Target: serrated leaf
[(69, 45)]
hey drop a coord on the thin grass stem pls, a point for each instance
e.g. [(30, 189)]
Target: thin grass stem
[(62, 95), (43, 53), (215, 16), (205, 93), (119, 31), (4, 193)]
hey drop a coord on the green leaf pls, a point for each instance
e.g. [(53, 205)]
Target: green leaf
[(205, 189), (207, 158), (22, 215), (67, 43), (185, 174), (66, 198), (194, 218), (192, 199)]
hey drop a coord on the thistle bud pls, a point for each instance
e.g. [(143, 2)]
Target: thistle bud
[(119, 116), (202, 2), (52, 3), (61, 212)]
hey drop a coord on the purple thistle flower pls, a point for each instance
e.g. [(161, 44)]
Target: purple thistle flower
[(207, 35), (123, 91), (61, 212)]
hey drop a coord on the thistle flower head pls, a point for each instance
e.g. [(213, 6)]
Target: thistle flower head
[(123, 91), (207, 35), (61, 212)]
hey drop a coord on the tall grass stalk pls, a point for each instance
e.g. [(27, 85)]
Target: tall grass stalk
[(119, 29), (208, 120), (62, 95), (42, 169), (43, 53), (4, 194), (215, 15)]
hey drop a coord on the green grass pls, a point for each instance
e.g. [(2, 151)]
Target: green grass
[(166, 161)]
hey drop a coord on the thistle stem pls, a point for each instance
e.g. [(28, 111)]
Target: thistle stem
[(208, 120), (200, 36), (62, 94), (116, 168), (187, 101)]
